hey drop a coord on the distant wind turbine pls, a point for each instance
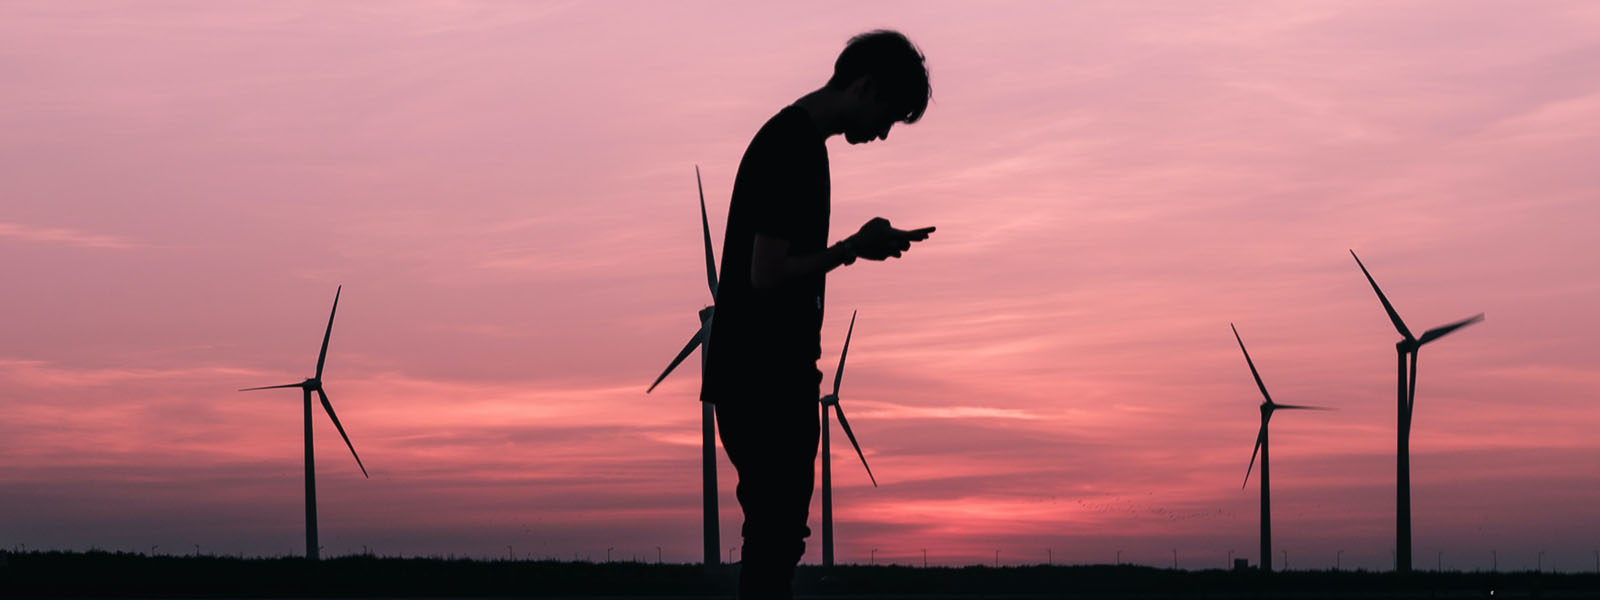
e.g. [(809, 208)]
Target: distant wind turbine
[(1406, 390), (827, 450), (708, 414), (314, 384), (1267, 408)]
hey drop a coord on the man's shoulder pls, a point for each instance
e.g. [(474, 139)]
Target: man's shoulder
[(791, 124)]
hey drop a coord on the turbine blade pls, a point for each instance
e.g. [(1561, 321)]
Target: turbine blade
[(682, 354), (840, 373), (1260, 437), (1439, 332), (1411, 394), (839, 410), (323, 356), (705, 229), (1252, 364), (1393, 316), (1296, 407), (328, 406), (272, 387)]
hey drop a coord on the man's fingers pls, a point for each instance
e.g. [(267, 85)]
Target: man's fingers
[(917, 235)]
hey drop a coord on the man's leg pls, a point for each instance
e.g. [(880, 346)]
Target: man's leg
[(772, 441)]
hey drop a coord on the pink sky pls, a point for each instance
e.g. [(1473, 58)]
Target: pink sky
[(506, 193)]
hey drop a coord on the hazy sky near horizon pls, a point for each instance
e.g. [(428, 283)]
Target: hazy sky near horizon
[(506, 193)]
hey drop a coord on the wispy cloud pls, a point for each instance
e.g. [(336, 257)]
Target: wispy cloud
[(63, 236)]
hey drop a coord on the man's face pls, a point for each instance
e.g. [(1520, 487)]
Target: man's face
[(872, 119)]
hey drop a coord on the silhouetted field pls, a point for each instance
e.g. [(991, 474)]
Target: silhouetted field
[(105, 574)]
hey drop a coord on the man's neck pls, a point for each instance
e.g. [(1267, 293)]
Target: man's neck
[(827, 108)]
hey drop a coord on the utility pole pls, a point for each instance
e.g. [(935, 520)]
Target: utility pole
[(996, 559), (608, 553), (1230, 561), (197, 550), (1336, 556), (658, 555), (1494, 556), (1285, 560), (1049, 557), (1119, 558), (1439, 562), (1540, 563), (872, 559), (1174, 559), (925, 559)]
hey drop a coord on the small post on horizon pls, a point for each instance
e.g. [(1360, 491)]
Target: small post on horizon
[(872, 558), (1174, 559), (1596, 559), (658, 555), (197, 550), (1494, 557), (1230, 561), (1438, 564), (1119, 558), (608, 553), (1539, 565), (1049, 557), (996, 559), (1285, 560), (1336, 557), (511, 554)]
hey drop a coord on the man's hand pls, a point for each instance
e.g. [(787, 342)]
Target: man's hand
[(877, 240)]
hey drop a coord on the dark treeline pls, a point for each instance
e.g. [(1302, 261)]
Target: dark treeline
[(120, 574)]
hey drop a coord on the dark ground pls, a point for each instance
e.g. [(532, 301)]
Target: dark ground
[(104, 574)]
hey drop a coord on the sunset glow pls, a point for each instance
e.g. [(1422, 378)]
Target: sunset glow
[(506, 193)]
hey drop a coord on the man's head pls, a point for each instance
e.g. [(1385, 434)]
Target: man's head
[(884, 73)]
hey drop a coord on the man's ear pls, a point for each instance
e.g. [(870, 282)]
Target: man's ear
[(863, 87)]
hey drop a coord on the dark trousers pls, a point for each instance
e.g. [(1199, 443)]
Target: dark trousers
[(770, 435)]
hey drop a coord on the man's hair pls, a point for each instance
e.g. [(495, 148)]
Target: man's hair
[(896, 67)]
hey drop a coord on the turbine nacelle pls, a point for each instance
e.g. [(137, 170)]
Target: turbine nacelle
[(830, 400)]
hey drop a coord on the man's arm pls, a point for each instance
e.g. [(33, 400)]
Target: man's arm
[(771, 265)]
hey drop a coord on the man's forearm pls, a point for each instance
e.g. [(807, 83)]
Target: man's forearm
[(771, 274)]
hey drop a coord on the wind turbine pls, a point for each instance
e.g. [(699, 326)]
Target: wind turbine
[(708, 414), (827, 450), (1406, 392), (1267, 408), (314, 384)]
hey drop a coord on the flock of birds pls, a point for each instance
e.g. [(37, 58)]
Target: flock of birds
[(1406, 350)]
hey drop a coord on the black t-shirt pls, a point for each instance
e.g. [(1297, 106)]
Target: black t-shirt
[(766, 337)]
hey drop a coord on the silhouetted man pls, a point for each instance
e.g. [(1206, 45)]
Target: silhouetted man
[(761, 369)]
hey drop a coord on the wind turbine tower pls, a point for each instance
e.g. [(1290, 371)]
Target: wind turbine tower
[(1406, 392), (832, 400), (1267, 408), (314, 384), (708, 415)]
